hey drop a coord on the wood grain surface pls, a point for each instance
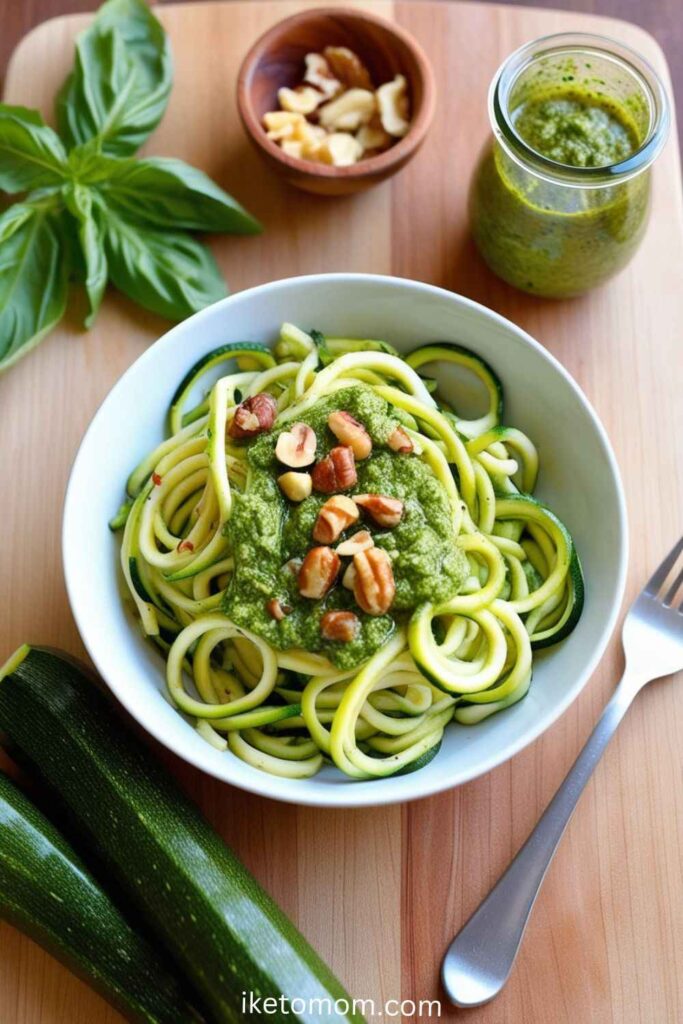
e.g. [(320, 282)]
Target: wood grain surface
[(662, 18), (380, 892)]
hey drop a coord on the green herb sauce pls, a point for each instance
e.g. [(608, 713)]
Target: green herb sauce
[(576, 127), (554, 239), (265, 531)]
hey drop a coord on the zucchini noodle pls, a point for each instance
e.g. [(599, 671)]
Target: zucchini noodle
[(287, 710)]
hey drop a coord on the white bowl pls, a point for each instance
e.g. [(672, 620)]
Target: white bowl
[(579, 479)]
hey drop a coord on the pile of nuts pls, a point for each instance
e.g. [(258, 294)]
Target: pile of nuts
[(369, 574), (336, 116)]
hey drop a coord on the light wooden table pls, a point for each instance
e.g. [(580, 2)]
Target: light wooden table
[(660, 17), (380, 892)]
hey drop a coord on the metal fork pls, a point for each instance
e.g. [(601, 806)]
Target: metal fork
[(479, 960)]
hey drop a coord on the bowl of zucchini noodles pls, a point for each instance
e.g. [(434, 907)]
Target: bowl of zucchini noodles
[(358, 540)]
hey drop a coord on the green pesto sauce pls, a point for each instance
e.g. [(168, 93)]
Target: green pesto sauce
[(576, 128), (553, 239), (265, 531)]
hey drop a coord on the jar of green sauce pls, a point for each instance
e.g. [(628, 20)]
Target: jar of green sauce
[(560, 198)]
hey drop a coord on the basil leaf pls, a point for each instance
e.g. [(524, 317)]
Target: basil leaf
[(31, 153), (88, 164), (165, 271), (168, 193), (79, 202), (121, 81), (33, 277)]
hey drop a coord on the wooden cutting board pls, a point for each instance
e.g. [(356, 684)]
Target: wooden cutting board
[(380, 892)]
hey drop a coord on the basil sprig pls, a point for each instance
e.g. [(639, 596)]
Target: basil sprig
[(91, 211), (33, 276)]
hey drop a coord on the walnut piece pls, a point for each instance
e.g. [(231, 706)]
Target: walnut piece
[(392, 100), (360, 541), (292, 147), (338, 513), (339, 625), (399, 441), (349, 431), (280, 124), (348, 111), (382, 509), (348, 116), (372, 136), (338, 149), (319, 73), (347, 67), (373, 585), (318, 572), (291, 130), (302, 100), (349, 577), (253, 416), (336, 472), (277, 610), (310, 135)]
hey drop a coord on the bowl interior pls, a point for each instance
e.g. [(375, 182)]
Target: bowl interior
[(278, 58), (578, 476)]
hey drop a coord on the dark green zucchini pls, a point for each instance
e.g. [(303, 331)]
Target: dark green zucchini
[(47, 892), (420, 762), (238, 350), (118, 521), (513, 507), (225, 932), (571, 614), (320, 342)]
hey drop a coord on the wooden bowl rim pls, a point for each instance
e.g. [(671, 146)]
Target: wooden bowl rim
[(383, 162)]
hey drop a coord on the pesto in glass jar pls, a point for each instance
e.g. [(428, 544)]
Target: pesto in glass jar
[(560, 199)]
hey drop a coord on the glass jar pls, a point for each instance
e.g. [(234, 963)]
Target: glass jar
[(560, 210)]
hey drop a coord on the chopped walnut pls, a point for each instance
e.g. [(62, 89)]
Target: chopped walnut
[(373, 585), (348, 111), (349, 431), (392, 99), (347, 67), (399, 441), (334, 517), (302, 100), (336, 472), (277, 610), (348, 116), (253, 416), (339, 625), (338, 149), (372, 136), (319, 73), (382, 509), (349, 577), (318, 572), (280, 124), (360, 541)]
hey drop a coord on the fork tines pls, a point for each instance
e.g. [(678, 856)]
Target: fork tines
[(660, 576)]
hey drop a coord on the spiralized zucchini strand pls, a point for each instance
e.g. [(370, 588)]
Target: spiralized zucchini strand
[(288, 712)]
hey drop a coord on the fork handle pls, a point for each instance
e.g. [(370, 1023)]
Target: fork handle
[(479, 960)]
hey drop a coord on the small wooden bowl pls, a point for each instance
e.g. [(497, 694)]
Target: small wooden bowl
[(277, 59)]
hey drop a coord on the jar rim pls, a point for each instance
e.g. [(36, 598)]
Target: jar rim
[(601, 46)]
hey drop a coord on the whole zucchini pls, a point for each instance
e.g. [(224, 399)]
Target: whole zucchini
[(47, 892), (224, 931)]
